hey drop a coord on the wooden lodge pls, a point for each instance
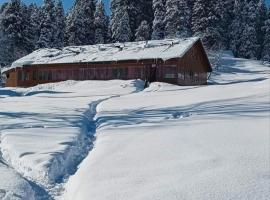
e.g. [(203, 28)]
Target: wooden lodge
[(177, 61)]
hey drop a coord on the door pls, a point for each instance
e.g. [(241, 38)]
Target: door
[(151, 73)]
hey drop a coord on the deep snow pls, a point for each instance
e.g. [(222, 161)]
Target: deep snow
[(165, 142), (171, 142), (47, 130)]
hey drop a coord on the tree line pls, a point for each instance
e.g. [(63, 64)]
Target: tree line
[(242, 26)]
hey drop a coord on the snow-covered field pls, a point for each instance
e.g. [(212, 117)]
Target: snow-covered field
[(114, 140)]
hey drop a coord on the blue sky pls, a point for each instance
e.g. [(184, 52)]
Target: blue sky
[(68, 3)]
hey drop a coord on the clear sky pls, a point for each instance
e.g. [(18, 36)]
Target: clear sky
[(68, 3)]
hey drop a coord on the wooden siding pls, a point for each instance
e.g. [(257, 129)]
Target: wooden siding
[(12, 79), (191, 69)]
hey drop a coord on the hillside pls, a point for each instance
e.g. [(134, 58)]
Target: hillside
[(114, 140)]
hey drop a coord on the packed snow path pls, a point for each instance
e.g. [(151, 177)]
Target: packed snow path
[(47, 130)]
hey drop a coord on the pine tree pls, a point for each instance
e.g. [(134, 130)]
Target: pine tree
[(172, 19), (158, 23), (266, 44), (226, 15), (80, 27), (143, 32), (11, 28), (177, 19), (236, 27), (147, 11), (60, 24), (47, 26), (101, 24), (199, 17), (120, 23), (28, 33), (206, 23), (34, 25), (261, 18), (137, 11), (3, 6), (6, 46), (248, 41)]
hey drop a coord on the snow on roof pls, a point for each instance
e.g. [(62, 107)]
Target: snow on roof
[(155, 49)]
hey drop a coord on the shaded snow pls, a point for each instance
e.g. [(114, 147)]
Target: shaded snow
[(13, 186)]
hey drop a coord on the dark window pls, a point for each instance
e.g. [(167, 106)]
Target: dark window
[(191, 74), (23, 76), (19, 75), (120, 73), (7, 75), (170, 72), (35, 75), (50, 76), (39, 75)]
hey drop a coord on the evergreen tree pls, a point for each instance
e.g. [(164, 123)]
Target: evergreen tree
[(226, 15), (101, 24), (143, 32), (3, 6), (134, 13), (120, 23), (80, 27), (11, 28), (58, 40), (159, 17), (206, 23), (137, 11), (261, 18), (266, 44), (172, 19), (28, 33), (248, 41), (177, 19), (47, 25), (147, 11), (6, 46), (34, 25), (236, 26)]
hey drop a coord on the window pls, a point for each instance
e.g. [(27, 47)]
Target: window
[(170, 72), (169, 76), (24, 76), (43, 75), (35, 75), (120, 73)]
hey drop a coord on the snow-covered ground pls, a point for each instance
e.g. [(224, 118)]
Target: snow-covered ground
[(47, 130), (164, 142)]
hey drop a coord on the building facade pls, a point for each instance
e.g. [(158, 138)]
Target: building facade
[(189, 67)]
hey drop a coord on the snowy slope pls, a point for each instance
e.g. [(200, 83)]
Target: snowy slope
[(47, 130), (165, 142), (171, 142)]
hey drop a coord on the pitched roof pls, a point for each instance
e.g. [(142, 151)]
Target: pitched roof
[(155, 49)]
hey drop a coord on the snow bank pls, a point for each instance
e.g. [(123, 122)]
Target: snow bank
[(48, 129), (171, 142), (13, 186)]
